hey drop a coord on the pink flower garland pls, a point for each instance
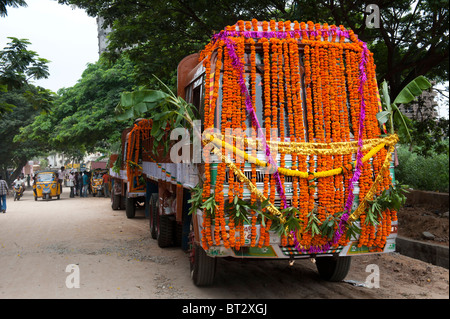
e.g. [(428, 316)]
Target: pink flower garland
[(348, 205), (235, 61)]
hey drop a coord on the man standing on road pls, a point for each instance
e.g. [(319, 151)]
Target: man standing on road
[(3, 192), (106, 184), (71, 184), (61, 177)]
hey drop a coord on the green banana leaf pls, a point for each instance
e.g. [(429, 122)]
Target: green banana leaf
[(397, 121), (412, 90)]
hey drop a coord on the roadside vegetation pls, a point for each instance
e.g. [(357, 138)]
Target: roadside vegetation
[(430, 173)]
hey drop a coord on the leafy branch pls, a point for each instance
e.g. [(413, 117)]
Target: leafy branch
[(293, 223), (392, 198), (196, 200), (165, 109), (210, 206), (391, 114)]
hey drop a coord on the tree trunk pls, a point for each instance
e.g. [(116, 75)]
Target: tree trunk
[(20, 164)]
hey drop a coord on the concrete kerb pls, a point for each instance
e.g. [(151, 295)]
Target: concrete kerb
[(430, 253)]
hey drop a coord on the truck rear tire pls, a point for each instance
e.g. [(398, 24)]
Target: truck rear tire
[(178, 235), (123, 202), (165, 231), (115, 204), (333, 268), (130, 208), (154, 203), (203, 267)]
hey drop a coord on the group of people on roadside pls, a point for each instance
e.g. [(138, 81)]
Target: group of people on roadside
[(80, 184)]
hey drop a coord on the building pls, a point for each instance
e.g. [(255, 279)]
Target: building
[(425, 107), (102, 36)]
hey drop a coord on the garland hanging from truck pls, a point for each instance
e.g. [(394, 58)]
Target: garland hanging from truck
[(339, 103)]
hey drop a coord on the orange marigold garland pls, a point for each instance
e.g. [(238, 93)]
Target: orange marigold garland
[(331, 70)]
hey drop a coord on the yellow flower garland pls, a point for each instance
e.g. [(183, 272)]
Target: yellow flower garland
[(253, 189), (389, 141)]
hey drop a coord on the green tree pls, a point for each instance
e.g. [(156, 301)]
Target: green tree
[(15, 154), (10, 3), (158, 34), (18, 66), (83, 116), (412, 39)]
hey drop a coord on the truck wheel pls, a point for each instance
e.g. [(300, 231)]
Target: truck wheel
[(115, 204), (203, 267), (333, 268), (154, 204), (165, 231), (130, 208), (178, 235), (123, 202)]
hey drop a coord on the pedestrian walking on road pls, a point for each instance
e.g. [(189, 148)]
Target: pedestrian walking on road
[(4, 190)]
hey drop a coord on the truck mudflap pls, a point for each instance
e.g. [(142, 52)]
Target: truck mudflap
[(276, 251)]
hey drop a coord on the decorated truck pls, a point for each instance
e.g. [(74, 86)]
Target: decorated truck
[(287, 159), (126, 194)]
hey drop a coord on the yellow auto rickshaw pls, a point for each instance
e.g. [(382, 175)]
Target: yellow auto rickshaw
[(97, 183), (47, 185)]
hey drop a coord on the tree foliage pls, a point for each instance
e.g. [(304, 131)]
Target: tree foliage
[(83, 116), (10, 3), (412, 39), (15, 154), (430, 173), (18, 66)]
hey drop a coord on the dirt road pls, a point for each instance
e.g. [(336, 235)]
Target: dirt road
[(115, 257)]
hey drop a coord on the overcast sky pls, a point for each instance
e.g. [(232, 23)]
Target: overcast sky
[(65, 36)]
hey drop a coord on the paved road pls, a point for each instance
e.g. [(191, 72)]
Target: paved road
[(46, 246)]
